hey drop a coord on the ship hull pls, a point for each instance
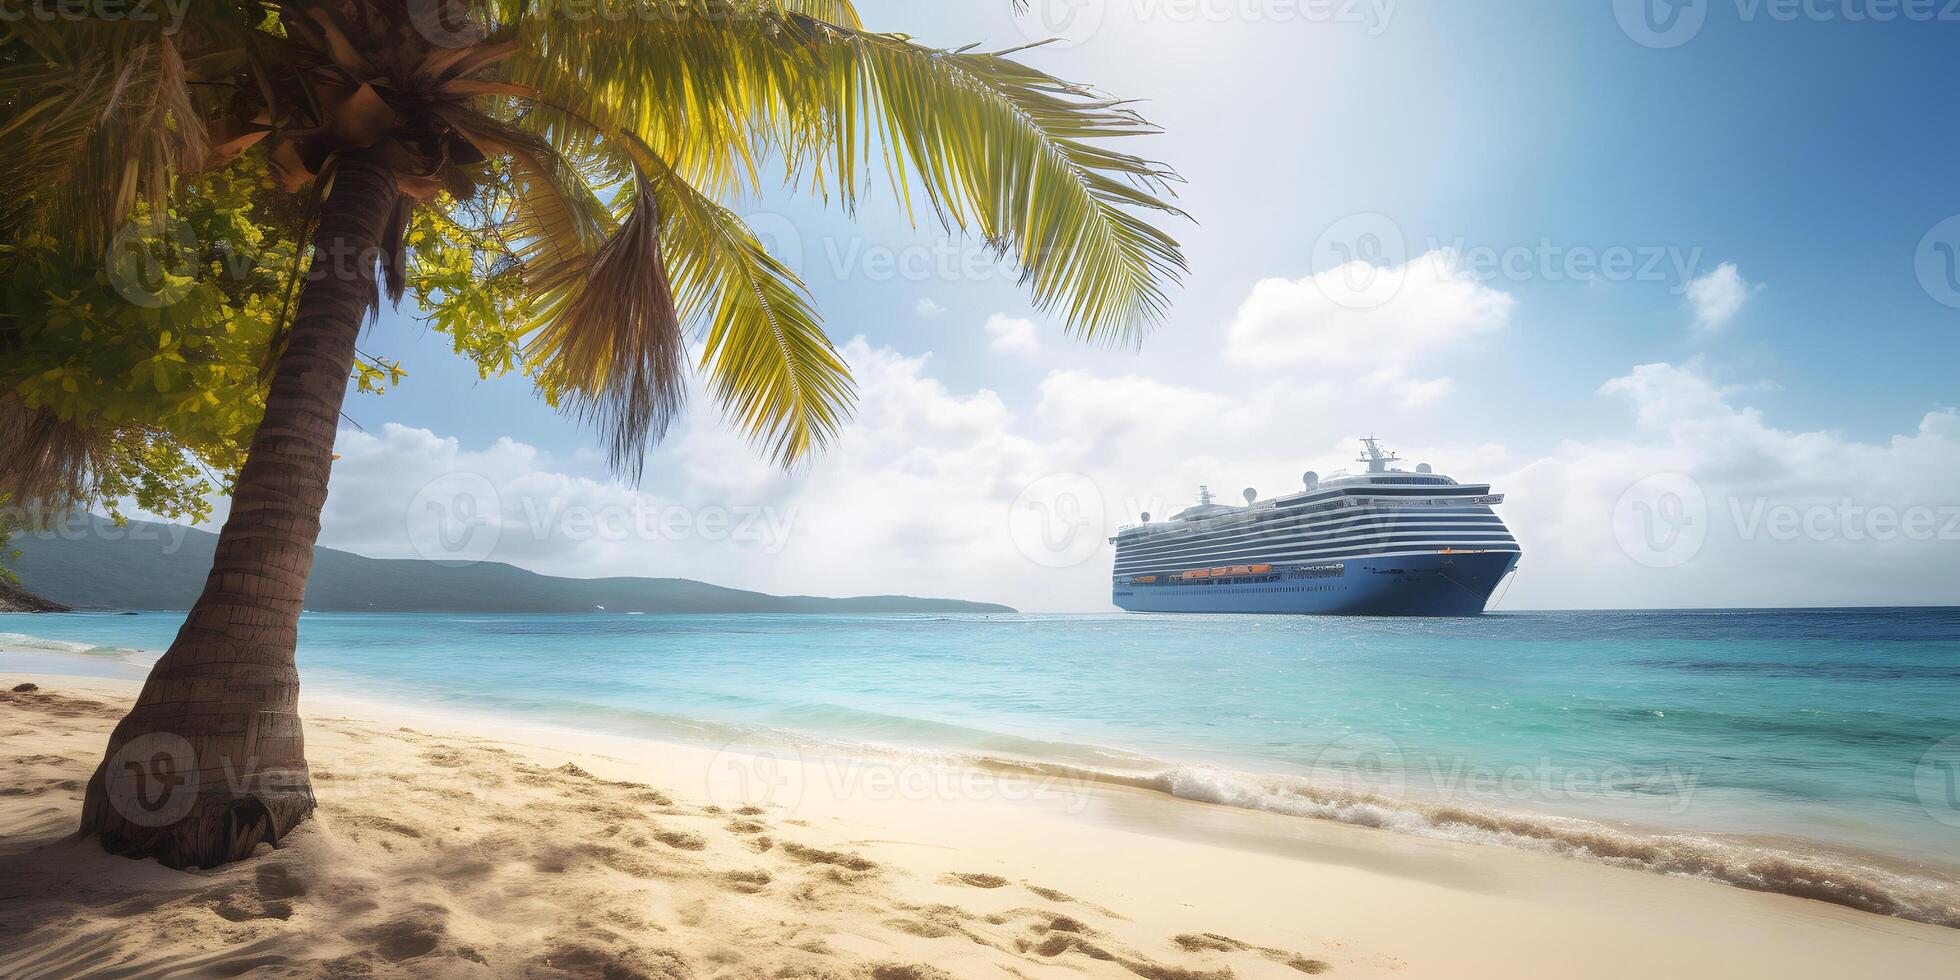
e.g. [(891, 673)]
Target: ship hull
[(1402, 585)]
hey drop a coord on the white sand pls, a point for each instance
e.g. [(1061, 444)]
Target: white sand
[(451, 846)]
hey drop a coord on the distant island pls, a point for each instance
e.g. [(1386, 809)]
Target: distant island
[(92, 564)]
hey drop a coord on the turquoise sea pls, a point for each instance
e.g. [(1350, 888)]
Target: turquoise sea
[(1815, 752)]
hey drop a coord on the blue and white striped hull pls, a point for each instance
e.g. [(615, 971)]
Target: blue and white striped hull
[(1393, 585)]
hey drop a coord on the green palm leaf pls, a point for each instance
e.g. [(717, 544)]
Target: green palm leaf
[(767, 360)]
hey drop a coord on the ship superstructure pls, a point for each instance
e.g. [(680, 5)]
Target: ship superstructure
[(1384, 542)]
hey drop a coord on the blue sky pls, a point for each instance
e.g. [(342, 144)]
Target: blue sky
[(1812, 156)]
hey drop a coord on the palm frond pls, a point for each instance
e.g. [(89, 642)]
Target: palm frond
[(839, 12), (97, 115), (47, 461), (611, 341), (998, 149), (1017, 156), (768, 362)]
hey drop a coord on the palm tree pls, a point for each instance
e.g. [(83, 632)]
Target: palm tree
[(601, 136)]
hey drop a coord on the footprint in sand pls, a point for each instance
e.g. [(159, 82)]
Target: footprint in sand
[(747, 882), (445, 757), (920, 928), (681, 840), (976, 879), (1211, 942), (817, 855)]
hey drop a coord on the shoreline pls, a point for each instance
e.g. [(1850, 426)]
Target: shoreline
[(1356, 901), (1876, 883)]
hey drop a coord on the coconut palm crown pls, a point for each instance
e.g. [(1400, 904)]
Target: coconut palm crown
[(584, 151)]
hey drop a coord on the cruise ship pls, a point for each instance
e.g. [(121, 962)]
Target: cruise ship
[(1384, 542)]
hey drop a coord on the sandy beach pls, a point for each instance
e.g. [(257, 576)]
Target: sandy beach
[(447, 845)]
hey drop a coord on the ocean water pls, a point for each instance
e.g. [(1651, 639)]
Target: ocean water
[(1813, 752)]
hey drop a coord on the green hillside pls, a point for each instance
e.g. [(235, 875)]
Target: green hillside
[(92, 564)]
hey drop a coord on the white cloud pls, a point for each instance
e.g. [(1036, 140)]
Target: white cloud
[(1413, 394), (1365, 316), (1012, 335), (1718, 296), (927, 309), (919, 491), (1759, 515)]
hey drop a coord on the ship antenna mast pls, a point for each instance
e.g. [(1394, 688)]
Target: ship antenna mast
[(1376, 459), (1204, 496)]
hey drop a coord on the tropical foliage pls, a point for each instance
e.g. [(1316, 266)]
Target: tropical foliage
[(568, 170)]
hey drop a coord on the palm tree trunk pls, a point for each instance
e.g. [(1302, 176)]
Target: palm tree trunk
[(211, 762)]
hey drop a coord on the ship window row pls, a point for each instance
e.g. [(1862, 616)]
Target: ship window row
[(1328, 552), (1344, 553), (1290, 535), (1400, 551), (1169, 544), (1251, 523), (1342, 500), (1314, 499), (1384, 532), (1320, 536)]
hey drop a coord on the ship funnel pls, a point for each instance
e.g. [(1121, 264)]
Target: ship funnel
[(1311, 479), (1250, 495), (1422, 467)]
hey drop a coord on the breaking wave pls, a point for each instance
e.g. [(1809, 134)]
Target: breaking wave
[(1822, 877)]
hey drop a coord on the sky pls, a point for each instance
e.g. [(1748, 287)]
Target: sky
[(1676, 279)]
